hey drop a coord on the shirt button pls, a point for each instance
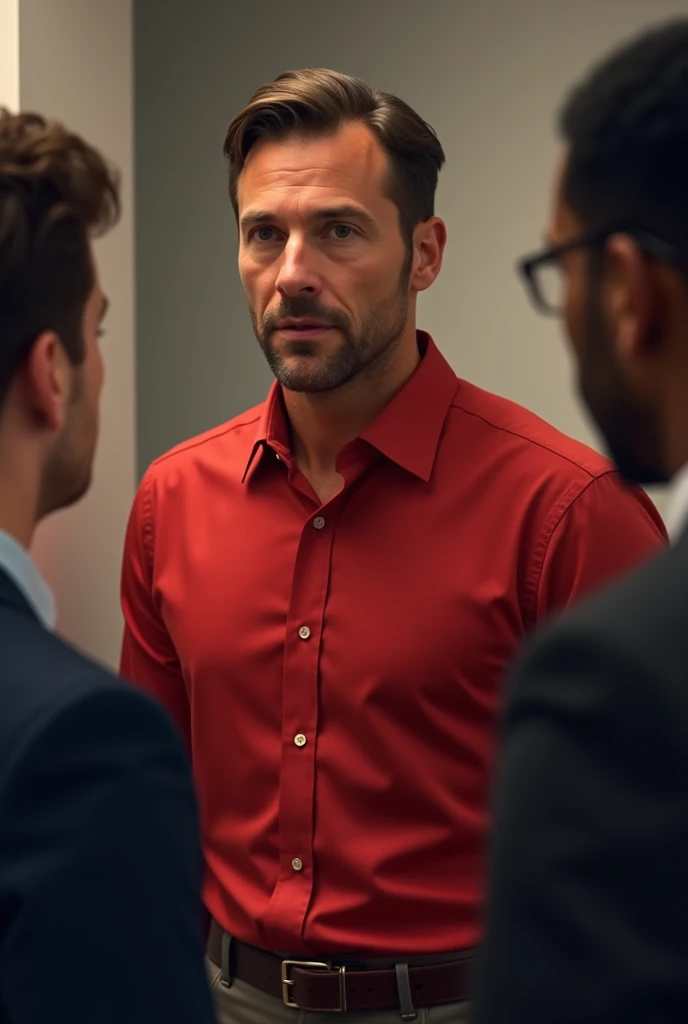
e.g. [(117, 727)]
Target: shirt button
[(304, 632), (318, 522), (300, 740), (297, 864)]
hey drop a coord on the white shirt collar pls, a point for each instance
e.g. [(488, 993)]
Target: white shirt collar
[(676, 518), (22, 570)]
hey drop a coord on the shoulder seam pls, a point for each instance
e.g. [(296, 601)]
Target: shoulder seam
[(553, 521), (196, 442), (538, 444)]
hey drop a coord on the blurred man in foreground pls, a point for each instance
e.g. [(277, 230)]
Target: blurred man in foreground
[(588, 916), (100, 868)]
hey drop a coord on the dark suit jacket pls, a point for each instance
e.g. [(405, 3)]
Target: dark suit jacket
[(588, 908), (100, 865)]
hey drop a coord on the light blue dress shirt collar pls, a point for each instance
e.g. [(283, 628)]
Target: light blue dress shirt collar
[(22, 570), (676, 518)]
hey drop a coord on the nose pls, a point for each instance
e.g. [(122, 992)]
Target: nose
[(298, 274)]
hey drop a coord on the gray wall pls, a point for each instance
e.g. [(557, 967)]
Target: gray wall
[(488, 76)]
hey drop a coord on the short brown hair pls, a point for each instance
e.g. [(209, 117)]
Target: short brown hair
[(55, 192), (316, 102)]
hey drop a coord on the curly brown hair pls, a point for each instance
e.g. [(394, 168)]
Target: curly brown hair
[(317, 102), (56, 191)]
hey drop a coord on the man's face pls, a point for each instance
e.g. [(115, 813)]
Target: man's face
[(628, 420), (68, 469), (322, 259)]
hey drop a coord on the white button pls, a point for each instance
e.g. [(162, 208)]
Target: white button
[(318, 522), (304, 632), (297, 863), (277, 456), (300, 740)]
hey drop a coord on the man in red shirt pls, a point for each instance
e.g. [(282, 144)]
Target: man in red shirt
[(326, 591)]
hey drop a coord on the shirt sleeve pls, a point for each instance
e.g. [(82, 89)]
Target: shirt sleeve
[(605, 532), (149, 658)]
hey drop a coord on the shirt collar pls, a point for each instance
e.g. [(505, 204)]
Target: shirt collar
[(16, 562), (407, 431), (676, 518), (272, 430)]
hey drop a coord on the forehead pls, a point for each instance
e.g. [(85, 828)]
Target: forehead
[(96, 299), (293, 174), (563, 222)]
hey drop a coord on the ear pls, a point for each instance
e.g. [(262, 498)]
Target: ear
[(630, 297), (429, 240), (47, 381)]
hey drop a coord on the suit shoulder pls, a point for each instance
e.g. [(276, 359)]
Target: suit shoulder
[(641, 615), (500, 420), (46, 683), (228, 441)]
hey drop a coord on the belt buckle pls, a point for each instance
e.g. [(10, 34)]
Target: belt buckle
[(287, 983)]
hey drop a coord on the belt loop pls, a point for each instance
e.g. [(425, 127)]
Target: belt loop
[(227, 977), (408, 1010)]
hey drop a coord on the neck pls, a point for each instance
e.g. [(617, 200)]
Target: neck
[(677, 454), (672, 385), (674, 420), (14, 522), (324, 423), (18, 500)]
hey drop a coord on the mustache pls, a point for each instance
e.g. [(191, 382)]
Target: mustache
[(302, 306)]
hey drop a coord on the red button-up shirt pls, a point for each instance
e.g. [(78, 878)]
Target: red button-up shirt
[(337, 669)]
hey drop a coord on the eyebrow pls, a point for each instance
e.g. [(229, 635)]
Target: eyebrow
[(344, 211)]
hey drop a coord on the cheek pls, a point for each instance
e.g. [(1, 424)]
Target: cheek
[(95, 370), (100, 374), (574, 314), (363, 283), (257, 284)]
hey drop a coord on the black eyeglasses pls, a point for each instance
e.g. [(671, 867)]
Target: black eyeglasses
[(543, 272)]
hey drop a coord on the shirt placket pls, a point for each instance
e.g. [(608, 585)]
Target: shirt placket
[(289, 904)]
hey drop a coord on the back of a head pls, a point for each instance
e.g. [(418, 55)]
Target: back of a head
[(317, 102), (626, 127), (55, 192)]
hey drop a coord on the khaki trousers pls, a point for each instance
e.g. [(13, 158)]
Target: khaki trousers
[(244, 1004)]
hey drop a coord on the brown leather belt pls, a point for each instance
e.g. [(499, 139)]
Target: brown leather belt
[(336, 986)]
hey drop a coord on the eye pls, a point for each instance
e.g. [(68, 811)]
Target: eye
[(263, 234), (342, 232)]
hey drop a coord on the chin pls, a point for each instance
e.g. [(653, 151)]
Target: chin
[(304, 384), (69, 493), (81, 487)]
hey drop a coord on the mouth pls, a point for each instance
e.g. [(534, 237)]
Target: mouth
[(303, 328)]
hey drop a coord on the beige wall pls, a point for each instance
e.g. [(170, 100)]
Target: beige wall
[(75, 61), (9, 53), (488, 76)]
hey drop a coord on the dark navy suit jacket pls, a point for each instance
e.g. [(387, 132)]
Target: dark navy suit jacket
[(100, 861)]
